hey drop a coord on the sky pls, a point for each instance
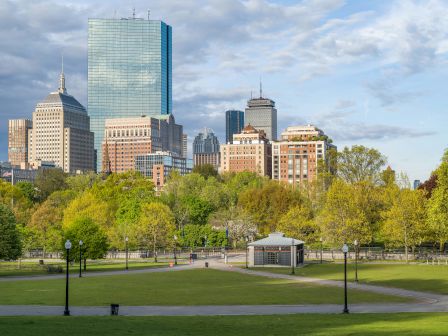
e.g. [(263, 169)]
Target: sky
[(369, 73)]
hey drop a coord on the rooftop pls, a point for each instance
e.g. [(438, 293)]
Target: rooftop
[(276, 239)]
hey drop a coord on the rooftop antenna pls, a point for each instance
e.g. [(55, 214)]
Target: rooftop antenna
[(261, 88), (115, 14), (133, 13), (149, 12), (251, 94)]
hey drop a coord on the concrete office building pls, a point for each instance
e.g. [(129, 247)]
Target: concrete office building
[(249, 151), (18, 141), (126, 138), (206, 149), (129, 71), (61, 133), (184, 145), (262, 114), (295, 158), (234, 123)]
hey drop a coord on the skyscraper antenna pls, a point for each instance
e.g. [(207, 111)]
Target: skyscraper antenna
[(261, 88), (250, 94), (149, 12), (133, 13)]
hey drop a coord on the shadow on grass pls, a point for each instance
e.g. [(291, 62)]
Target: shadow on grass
[(307, 324)]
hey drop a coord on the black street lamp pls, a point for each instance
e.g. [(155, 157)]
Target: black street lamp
[(174, 250), (321, 248), (247, 241), (356, 260), (126, 248), (80, 257), (345, 250), (292, 257), (68, 246)]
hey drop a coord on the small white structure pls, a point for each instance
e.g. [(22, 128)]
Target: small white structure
[(276, 249)]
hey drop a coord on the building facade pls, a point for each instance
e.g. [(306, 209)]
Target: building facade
[(126, 138), (129, 71), (206, 149), (249, 151), (160, 164), (296, 157), (184, 145), (262, 114), (234, 123), (61, 133), (18, 141)]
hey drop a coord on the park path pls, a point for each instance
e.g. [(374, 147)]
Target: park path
[(102, 273)]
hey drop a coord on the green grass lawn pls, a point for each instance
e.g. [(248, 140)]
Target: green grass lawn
[(33, 268), (187, 287), (414, 324), (420, 277)]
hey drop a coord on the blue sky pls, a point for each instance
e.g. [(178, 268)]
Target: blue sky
[(366, 72)]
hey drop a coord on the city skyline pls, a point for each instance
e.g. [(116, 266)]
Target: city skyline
[(365, 73)]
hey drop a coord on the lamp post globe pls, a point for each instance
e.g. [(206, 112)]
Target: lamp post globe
[(80, 257), (345, 250), (356, 243), (68, 246)]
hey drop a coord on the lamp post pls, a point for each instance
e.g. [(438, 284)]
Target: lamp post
[(174, 250), (321, 248), (68, 246), (345, 250), (126, 239), (292, 257), (80, 257), (247, 241), (356, 259)]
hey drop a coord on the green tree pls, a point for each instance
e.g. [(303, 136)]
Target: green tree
[(343, 219), (201, 235), (404, 221), (206, 170), (94, 239), (156, 226), (48, 181), (299, 223), (81, 182), (445, 155), (10, 245), (360, 163), (28, 190), (438, 207)]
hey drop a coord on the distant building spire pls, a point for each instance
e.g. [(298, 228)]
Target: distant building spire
[(107, 166), (62, 88)]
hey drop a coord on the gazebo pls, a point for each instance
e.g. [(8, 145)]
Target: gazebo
[(276, 249)]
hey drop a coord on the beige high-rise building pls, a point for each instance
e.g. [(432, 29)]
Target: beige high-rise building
[(126, 138), (18, 141), (250, 151), (295, 159), (184, 145), (61, 133)]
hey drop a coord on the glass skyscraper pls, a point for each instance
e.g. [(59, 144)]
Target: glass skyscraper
[(234, 123), (129, 71)]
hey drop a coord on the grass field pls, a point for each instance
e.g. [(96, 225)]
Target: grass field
[(415, 324), (188, 287), (420, 277), (33, 268)]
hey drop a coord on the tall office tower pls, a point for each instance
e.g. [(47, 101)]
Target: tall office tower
[(18, 141), (184, 145), (417, 184), (125, 138), (61, 133), (234, 123), (206, 149), (262, 114), (295, 158), (250, 150), (129, 71)]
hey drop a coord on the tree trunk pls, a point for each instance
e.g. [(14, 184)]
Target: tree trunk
[(85, 264), (406, 245), (154, 250)]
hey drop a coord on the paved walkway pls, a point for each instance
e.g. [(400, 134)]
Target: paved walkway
[(103, 273)]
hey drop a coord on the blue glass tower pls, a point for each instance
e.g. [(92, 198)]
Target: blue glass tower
[(234, 123), (129, 71)]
